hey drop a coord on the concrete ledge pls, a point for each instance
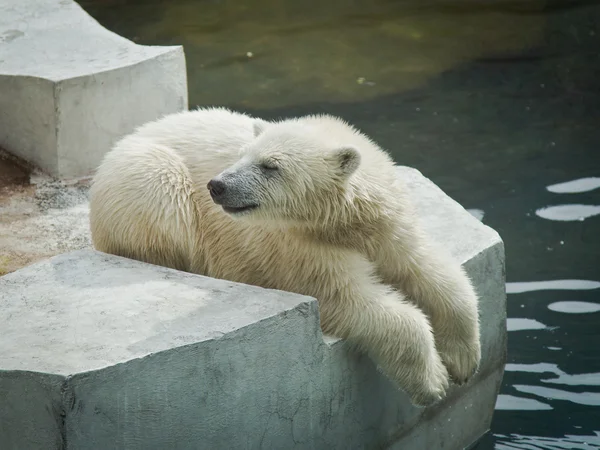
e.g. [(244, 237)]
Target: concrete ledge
[(70, 88), (99, 351)]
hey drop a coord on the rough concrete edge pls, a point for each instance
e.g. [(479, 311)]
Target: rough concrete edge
[(499, 255), (497, 251), (454, 396), (501, 371), (179, 52)]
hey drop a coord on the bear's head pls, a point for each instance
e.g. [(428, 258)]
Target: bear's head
[(290, 173)]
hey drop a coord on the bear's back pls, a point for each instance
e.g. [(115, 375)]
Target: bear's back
[(208, 140)]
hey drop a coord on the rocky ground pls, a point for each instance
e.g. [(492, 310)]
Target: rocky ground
[(39, 216)]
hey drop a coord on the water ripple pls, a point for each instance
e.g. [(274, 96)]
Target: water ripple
[(568, 213), (581, 379), (575, 186), (518, 324), (570, 307), (568, 442), (534, 368), (528, 286), (511, 403), (580, 398)]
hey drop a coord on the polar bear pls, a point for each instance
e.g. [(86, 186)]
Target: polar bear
[(308, 205)]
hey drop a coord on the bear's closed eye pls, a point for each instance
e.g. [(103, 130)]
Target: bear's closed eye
[(269, 166)]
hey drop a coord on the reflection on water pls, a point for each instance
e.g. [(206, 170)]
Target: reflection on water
[(518, 324), (528, 286), (534, 368), (510, 402), (568, 212), (568, 442), (581, 398), (574, 307), (575, 186), (582, 379), (497, 101)]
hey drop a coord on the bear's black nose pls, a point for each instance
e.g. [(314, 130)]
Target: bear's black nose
[(216, 188)]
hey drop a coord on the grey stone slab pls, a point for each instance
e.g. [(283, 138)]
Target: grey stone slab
[(106, 352), (70, 88), (101, 311)]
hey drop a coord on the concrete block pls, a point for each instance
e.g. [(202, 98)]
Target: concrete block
[(70, 88), (99, 351)]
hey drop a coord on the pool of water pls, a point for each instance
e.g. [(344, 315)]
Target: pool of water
[(497, 101)]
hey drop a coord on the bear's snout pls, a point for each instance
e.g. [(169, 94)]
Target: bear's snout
[(216, 188), (233, 193)]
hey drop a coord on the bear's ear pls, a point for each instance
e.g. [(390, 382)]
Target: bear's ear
[(259, 127), (348, 160)]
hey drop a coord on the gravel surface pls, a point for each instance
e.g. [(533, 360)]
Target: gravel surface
[(39, 216)]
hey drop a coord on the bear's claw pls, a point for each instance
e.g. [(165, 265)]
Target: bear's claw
[(462, 360)]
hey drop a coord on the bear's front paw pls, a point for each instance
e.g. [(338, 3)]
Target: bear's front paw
[(431, 384), (461, 357)]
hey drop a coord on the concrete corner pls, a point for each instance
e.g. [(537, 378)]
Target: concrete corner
[(70, 88), (99, 351)]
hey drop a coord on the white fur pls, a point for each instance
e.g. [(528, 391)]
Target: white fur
[(333, 222)]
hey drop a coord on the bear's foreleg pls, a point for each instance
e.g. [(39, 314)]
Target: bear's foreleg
[(394, 332), (440, 287)]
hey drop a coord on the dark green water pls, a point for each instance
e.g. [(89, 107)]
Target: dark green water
[(493, 100)]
